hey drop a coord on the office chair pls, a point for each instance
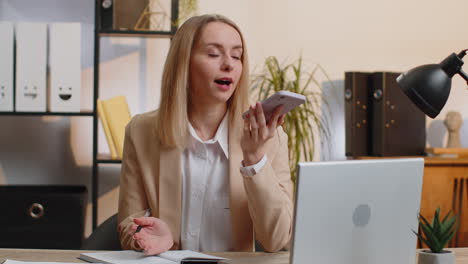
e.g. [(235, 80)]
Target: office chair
[(104, 237)]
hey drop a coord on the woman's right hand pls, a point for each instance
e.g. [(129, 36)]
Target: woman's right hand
[(154, 237)]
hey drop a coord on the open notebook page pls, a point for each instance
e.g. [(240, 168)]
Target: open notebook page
[(178, 255), (135, 257), (123, 257)]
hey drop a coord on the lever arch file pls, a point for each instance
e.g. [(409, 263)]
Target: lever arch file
[(65, 67), (6, 66), (398, 127), (31, 63), (358, 113)]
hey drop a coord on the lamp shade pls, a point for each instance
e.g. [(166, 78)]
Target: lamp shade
[(428, 86)]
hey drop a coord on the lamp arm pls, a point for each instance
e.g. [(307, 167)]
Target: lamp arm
[(461, 72), (462, 53), (463, 75)]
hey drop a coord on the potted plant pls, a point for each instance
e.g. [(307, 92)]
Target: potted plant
[(436, 235), (304, 123)]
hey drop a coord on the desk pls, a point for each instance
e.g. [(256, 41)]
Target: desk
[(71, 255)]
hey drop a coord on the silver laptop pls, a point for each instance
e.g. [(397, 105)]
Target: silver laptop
[(357, 212)]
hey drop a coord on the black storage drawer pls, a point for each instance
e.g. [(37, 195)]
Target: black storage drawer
[(42, 216)]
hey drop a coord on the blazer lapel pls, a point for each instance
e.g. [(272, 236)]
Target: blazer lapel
[(242, 228), (170, 191)]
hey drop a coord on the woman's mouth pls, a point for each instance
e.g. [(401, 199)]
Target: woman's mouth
[(224, 83)]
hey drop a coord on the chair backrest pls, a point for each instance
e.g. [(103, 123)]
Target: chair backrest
[(104, 237)]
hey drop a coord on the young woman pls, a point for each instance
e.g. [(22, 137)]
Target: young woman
[(206, 179)]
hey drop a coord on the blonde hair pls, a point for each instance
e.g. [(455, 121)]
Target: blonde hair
[(173, 116)]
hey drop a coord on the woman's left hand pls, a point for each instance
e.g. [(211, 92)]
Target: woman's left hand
[(257, 132)]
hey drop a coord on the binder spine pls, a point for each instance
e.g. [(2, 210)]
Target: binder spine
[(378, 120), (358, 114), (348, 113), (31, 63), (65, 67), (6, 66)]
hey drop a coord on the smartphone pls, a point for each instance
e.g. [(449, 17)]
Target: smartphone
[(288, 99)]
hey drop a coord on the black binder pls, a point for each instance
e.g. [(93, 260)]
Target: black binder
[(358, 113), (398, 126)]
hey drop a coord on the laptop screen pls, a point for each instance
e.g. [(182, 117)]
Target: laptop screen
[(357, 212)]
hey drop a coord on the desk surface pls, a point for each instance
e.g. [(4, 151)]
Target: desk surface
[(72, 255)]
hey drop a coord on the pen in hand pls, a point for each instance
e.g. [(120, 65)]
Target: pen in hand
[(139, 227)]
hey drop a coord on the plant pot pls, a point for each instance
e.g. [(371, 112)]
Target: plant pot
[(427, 257)]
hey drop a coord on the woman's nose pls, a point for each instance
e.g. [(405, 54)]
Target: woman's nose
[(227, 64)]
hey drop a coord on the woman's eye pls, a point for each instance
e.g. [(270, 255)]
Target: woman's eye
[(236, 57), (213, 55)]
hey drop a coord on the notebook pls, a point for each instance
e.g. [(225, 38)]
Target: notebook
[(135, 257), (116, 114)]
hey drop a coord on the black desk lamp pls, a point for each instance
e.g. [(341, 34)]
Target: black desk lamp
[(428, 86)]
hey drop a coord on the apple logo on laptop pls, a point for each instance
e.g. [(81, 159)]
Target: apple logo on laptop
[(361, 215)]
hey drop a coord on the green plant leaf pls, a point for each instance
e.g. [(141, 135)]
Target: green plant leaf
[(425, 241), (436, 224), (432, 239), (447, 225), (424, 222), (446, 239), (436, 215)]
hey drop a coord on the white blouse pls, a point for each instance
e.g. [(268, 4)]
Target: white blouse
[(206, 218)]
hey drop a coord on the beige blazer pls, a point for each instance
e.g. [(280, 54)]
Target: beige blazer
[(261, 205)]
